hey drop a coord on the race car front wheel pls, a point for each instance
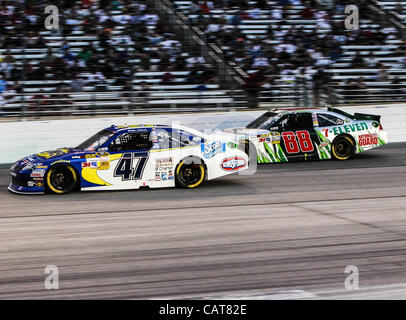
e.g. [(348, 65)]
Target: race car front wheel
[(61, 179), (343, 148), (190, 174)]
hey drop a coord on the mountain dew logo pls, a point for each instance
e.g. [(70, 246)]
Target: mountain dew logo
[(275, 156), (324, 149)]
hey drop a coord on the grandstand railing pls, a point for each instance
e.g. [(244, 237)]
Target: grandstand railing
[(296, 94), (303, 94), (120, 102), (386, 16), (230, 75)]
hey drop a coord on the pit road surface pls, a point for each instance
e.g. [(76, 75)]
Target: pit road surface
[(293, 226)]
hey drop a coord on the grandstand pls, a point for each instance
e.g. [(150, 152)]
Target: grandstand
[(114, 57), (130, 62), (366, 65)]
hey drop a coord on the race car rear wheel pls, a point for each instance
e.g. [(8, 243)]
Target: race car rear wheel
[(61, 179), (190, 173), (343, 148)]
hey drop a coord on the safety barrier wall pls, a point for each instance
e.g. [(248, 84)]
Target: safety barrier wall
[(22, 138)]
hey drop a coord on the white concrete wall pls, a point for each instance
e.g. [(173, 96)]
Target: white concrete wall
[(19, 139)]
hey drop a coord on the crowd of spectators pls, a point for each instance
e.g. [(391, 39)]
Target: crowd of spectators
[(281, 54), (129, 38)]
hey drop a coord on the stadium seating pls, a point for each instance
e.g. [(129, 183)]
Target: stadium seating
[(127, 60), (398, 7), (144, 70), (254, 25)]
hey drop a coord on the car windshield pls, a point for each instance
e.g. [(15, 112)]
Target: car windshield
[(96, 140), (267, 120)]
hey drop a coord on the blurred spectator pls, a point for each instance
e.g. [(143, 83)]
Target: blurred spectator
[(10, 94), (39, 101), (167, 78), (396, 86), (361, 88), (3, 84), (77, 84), (64, 99), (144, 90), (2, 104), (371, 61), (357, 62), (253, 86)]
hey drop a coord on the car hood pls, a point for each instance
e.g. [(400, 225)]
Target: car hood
[(45, 157), (54, 154)]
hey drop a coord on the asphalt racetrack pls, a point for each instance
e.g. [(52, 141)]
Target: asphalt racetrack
[(293, 226)]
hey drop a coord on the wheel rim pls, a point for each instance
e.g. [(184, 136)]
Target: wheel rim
[(61, 179), (343, 148), (191, 174)]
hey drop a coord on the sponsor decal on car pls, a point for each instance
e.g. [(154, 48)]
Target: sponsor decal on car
[(164, 169), (154, 136), (324, 144), (349, 128), (37, 173), (233, 163), (60, 161), (86, 165), (315, 120), (275, 137), (367, 139), (51, 154), (210, 150), (164, 162), (263, 138), (103, 165)]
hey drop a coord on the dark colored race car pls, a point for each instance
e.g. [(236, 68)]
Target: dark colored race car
[(288, 135)]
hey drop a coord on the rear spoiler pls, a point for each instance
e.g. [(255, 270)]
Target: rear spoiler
[(356, 116)]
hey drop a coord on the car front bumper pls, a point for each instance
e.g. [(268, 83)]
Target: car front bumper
[(23, 183), (25, 190)]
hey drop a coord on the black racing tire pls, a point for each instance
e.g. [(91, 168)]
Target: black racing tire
[(250, 150), (190, 173), (343, 147), (61, 179)]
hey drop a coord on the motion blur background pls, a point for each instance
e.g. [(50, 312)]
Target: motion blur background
[(126, 57)]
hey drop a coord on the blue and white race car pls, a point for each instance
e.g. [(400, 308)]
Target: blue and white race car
[(130, 157)]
